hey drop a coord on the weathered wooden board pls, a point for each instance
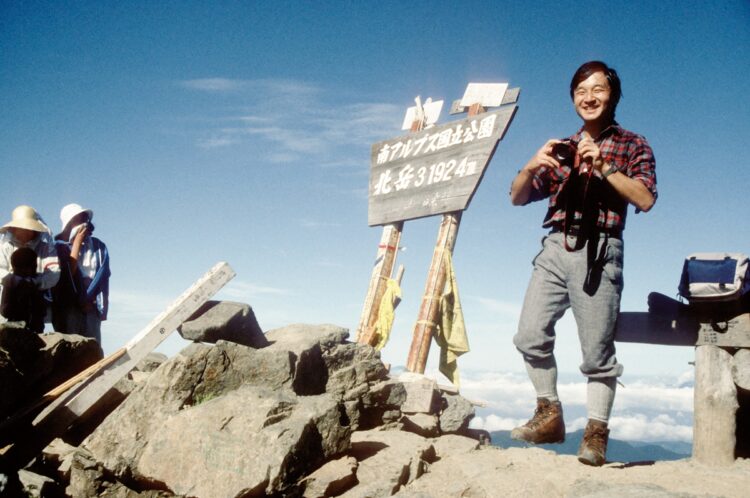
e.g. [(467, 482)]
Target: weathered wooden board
[(733, 333), (510, 97), (381, 272), (715, 407), (148, 339), (650, 328), (435, 171)]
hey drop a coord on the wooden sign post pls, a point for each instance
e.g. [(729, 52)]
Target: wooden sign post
[(722, 354), (385, 259), (435, 171), (429, 310)]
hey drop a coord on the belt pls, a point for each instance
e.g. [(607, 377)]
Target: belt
[(575, 231)]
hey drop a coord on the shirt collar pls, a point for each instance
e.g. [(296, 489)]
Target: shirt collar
[(613, 128)]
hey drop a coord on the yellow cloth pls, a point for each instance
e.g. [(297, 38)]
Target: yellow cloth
[(451, 331), (391, 298)]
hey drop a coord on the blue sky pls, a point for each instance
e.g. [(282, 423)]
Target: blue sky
[(241, 131)]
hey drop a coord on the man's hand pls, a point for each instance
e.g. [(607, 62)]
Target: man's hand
[(590, 152), (543, 158), (520, 189)]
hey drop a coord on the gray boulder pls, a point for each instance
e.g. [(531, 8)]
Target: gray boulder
[(32, 364), (388, 460), (295, 363), (38, 486), (456, 414), (224, 320), (424, 424), (332, 479), (246, 443)]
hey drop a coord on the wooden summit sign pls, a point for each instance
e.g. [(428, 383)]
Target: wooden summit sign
[(434, 171)]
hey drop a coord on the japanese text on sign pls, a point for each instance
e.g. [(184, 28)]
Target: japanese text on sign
[(476, 129), (433, 171), (408, 176)]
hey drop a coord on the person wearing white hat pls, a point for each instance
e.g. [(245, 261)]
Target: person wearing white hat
[(81, 298), (26, 229)]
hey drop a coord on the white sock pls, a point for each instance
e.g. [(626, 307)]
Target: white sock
[(600, 394), (543, 375)]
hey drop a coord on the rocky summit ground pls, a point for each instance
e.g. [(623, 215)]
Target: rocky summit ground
[(299, 411)]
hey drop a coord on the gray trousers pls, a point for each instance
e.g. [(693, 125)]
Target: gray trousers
[(556, 285)]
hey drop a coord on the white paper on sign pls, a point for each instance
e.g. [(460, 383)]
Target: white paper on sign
[(485, 94), (431, 114)]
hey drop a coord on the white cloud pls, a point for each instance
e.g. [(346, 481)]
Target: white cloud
[(662, 427), (213, 84), (240, 290), (646, 410), (212, 143), (495, 423), (298, 120)]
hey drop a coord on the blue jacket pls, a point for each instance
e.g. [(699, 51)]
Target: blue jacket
[(75, 290)]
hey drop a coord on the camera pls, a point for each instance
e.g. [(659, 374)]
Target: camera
[(564, 152)]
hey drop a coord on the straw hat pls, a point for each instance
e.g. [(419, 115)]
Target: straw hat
[(68, 212), (27, 218)]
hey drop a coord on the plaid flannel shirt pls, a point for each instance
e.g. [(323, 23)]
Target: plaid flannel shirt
[(627, 152)]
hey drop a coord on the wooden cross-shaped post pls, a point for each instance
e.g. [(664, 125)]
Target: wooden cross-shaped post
[(384, 263), (430, 308)]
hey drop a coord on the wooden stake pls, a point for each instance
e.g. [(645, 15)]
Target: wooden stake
[(430, 307), (381, 272), (715, 407)]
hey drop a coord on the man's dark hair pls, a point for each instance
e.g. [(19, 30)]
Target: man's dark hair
[(591, 67)]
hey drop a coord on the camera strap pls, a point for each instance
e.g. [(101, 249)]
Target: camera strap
[(574, 202), (580, 195)]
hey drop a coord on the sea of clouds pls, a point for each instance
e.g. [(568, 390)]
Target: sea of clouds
[(645, 409)]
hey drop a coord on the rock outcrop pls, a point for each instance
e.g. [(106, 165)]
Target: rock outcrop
[(32, 364), (233, 420), (304, 412)]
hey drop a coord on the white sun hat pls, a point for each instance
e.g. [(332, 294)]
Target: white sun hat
[(27, 218), (68, 212)]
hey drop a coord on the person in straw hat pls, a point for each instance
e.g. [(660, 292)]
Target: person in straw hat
[(81, 298), (26, 230)]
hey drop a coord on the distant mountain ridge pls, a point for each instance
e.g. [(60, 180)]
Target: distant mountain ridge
[(617, 451)]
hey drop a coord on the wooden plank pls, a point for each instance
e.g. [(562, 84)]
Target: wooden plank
[(734, 332), (60, 414), (381, 271), (715, 407), (429, 309), (153, 335), (652, 328), (510, 97), (24, 413), (435, 171), (682, 330)]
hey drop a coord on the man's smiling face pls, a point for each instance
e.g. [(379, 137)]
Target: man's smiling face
[(591, 98)]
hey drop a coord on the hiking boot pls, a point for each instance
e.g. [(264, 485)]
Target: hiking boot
[(593, 448), (546, 426)]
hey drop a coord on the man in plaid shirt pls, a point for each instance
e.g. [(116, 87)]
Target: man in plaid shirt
[(580, 264)]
